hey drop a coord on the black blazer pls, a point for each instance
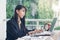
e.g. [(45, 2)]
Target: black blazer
[(13, 31)]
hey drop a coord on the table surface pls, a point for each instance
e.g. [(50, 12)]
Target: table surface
[(55, 36)]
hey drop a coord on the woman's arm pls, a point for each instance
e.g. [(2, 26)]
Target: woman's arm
[(29, 32), (11, 30)]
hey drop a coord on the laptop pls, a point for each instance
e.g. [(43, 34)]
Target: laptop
[(47, 33)]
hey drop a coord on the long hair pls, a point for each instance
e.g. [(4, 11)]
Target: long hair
[(19, 7)]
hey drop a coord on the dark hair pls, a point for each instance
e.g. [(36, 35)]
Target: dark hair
[(19, 7)]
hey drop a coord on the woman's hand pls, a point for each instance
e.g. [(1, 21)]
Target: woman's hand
[(31, 32), (38, 31), (35, 31)]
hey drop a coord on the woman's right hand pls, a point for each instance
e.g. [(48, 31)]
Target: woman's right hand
[(38, 31), (31, 32), (35, 31)]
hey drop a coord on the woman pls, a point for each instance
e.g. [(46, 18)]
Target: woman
[(16, 26)]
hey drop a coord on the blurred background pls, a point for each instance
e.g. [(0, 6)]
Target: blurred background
[(38, 13)]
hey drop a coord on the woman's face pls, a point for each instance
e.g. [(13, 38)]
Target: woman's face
[(21, 12)]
